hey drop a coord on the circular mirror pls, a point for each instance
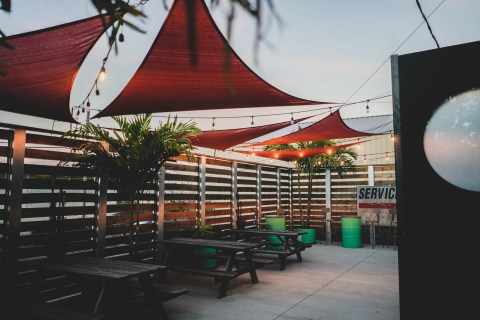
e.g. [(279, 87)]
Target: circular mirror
[(452, 140)]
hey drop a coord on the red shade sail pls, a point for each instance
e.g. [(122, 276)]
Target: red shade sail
[(41, 68), (330, 127), (203, 73), (293, 155), (224, 139)]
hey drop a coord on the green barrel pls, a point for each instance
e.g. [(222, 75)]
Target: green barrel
[(351, 232), (310, 236), (275, 223), (206, 262)]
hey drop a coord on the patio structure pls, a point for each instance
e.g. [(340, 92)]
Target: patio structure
[(36, 192)]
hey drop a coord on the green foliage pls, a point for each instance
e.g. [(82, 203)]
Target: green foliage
[(134, 154), (341, 161), (203, 231)]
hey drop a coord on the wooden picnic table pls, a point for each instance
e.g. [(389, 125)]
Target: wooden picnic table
[(237, 257), (281, 243), (101, 281)]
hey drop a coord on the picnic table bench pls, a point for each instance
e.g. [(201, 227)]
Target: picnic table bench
[(280, 243), (177, 251), (105, 285)]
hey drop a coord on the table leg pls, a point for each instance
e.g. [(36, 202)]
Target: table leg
[(222, 291), (100, 298), (149, 291), (251, 266), (296, 246)]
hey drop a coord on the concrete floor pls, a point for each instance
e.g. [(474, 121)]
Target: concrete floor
[(331, 283)]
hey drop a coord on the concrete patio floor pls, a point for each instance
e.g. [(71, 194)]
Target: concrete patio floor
[(331, 283)]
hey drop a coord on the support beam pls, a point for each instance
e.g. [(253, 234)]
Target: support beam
[(234, 191), (101, 215), (160, 212), (202, 178), (15, 208), (259, 193)]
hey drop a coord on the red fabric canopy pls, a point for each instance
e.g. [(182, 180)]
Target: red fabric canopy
[(330, 127), (175, 77), (224, 139), (293, 155), (41, 68)]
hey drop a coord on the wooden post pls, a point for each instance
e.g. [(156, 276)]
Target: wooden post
[(101, 214), (234, 191), (160, 212), (15, 208), (259, 193), (290, 196), (202, 177), (328, 204), (279, 190)]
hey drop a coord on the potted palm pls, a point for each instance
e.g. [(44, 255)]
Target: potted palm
[(340, 161), (131, 156), (205, 231)]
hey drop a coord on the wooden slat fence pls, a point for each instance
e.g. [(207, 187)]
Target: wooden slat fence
[(34, 190)]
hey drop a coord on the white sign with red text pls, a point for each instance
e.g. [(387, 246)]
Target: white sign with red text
[(376, 202)]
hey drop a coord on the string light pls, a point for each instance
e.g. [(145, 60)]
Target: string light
[(386, 156), (121, 37), (291, 120), (103, 74), (252, 121), (323, 109), (392, 137), (367, 107), (365, 158), (213, 123)]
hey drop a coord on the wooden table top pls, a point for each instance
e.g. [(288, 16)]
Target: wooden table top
[(110, 269), (213, 243), (267, 232)]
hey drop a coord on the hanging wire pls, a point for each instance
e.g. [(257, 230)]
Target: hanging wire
[(334, 108), (428, 24), (395, 51)]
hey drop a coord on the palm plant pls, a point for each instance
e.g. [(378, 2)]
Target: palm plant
[(131, 156), (340, 161)]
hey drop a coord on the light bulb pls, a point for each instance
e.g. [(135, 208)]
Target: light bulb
[(103, 74)]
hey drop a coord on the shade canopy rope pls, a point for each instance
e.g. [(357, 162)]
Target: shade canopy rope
[(42, 67), (191, 66)]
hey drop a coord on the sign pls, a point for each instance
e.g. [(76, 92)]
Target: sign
[(376, 197), (377, 203)]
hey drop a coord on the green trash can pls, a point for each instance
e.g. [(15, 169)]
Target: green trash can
[(209, 263), (351, 232), (275, 223), (310, 237)]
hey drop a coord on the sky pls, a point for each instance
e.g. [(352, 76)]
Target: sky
[(324, 50)]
